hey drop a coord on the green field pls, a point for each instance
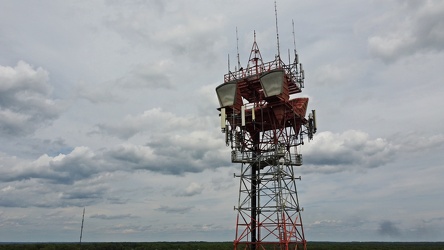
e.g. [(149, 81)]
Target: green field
[(217, 246)]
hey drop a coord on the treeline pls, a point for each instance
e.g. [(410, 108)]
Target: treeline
[(375, 246), (217, 246)]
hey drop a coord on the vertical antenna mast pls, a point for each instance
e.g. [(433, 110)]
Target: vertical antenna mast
[(81, 228), (294, 38), (237, 50), (277, 31), (296, 59), (229, 63)]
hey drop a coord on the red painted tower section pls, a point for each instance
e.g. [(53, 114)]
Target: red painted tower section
[(264, 124)]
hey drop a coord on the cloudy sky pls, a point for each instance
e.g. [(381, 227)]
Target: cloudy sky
[(110, 105)]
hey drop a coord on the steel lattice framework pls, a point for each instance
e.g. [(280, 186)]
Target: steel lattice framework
[(265, 129)]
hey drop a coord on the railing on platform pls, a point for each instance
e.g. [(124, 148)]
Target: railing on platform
[(266, 158)]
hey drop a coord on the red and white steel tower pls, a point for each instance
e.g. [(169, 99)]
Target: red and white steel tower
[(265, 126)]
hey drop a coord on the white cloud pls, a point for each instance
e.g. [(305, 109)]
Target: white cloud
[(154, 120), (193, 189), (25, 99)]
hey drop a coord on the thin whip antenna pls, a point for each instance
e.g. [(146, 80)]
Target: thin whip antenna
[(296, 59), (229, 63), (237, 50), (277, 31), (294, 37), (81, 228)]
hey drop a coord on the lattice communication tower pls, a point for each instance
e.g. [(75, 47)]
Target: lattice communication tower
[(265, 127)]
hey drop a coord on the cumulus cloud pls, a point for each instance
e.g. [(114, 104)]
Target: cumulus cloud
[(193, 189), (419, 28), (154, 120), (194, 152), (173, 154), (350, 150), (169, 155), (25, 99), (35, 193), (80, 163), (48, 192)]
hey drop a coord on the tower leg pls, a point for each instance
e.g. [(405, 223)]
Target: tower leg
[(269, 215), (253, 208)]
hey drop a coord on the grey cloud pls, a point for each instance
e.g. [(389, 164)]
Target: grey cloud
[(28, 194), (192, 189), (330, 152), (105, 93), (165, 154), (83, 193), (388, 228), (421, 30), (128, 229), (123, 131), (135, 23), (34, 192), (51, 147), (154, 120), (208, 102), (424, 231), (195, 152), (80, 163), (112, 217), (325, 223), (150, 158), (142, 76), (181, 35), (188, 149), (415, 142), (25, 100), (174, 210), (196, 39), (432, 220), (147, 76), (191, 152)]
